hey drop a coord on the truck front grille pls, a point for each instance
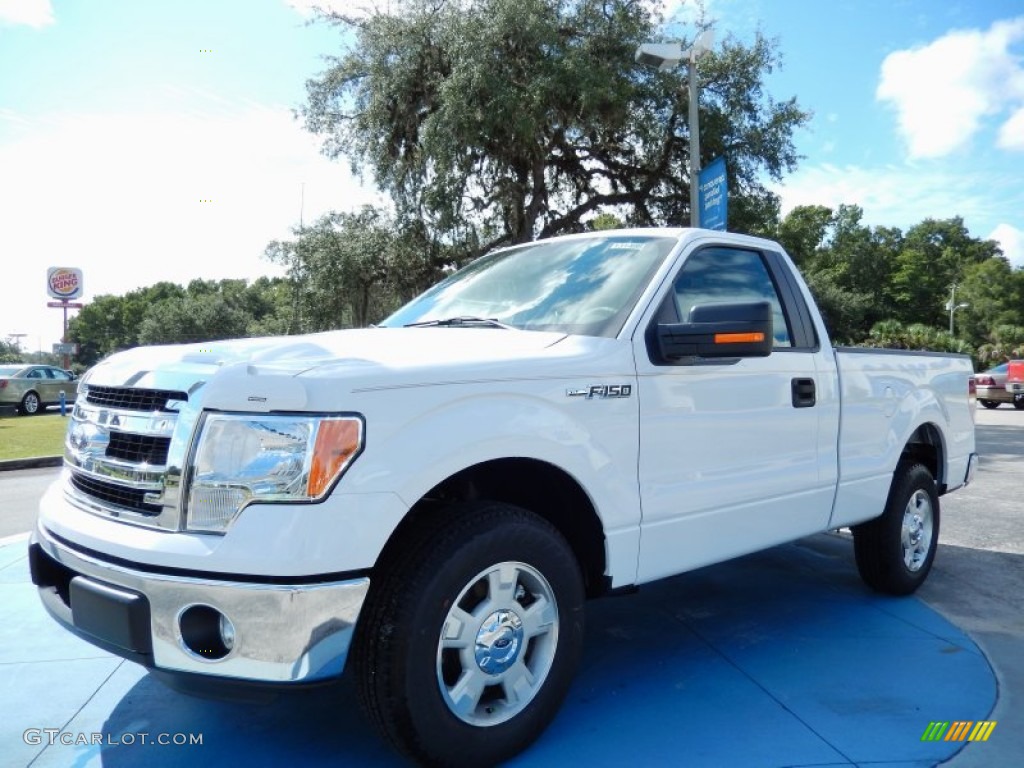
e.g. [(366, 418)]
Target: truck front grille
[(125, 450), (138, 449), (133, 399), (115, 495)]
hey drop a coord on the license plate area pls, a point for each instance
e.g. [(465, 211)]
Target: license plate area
[(116, 616)]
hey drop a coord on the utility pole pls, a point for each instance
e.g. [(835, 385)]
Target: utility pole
[(664, 56), (952, 306)]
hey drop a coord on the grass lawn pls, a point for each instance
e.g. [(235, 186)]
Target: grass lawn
[(24, 436)]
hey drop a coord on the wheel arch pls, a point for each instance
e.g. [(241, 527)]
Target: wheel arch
[(926, 445), (542, 488)]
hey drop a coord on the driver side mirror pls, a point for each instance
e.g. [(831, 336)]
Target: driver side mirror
[(742, 329)]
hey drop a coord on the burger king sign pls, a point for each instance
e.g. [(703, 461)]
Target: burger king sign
[(64, 282)]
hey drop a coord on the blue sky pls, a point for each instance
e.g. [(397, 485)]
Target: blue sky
[(117, 118)]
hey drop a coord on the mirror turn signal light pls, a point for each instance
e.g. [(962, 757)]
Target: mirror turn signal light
[(739, 338)]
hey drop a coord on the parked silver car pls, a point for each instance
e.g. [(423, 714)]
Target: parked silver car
[(33, 387), (991, 386)]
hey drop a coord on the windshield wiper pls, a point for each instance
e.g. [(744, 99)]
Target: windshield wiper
[(489, 322)]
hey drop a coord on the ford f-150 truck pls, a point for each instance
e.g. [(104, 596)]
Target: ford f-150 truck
[(432, 500)]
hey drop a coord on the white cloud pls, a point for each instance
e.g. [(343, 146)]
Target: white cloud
[(883, 191), (1011, 240), (941, 91), (34, 13), (1011, 134), (308, 8), (119, 196), (903, 195)]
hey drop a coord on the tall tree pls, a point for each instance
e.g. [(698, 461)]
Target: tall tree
[(936, 254), (351, 269), (168, 313), (508, 119), (994, 298), (205, 317), (10, 352), (803, 231)]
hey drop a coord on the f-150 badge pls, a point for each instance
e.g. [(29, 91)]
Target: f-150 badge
[(601, 391)]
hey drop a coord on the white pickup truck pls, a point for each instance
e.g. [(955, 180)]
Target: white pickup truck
[(436, 497)]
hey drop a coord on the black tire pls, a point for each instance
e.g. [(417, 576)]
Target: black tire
[(1018, 402), (895, 552), (405, 671), (989, 403), (30, 404)]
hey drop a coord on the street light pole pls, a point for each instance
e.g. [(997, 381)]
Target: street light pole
[(664, 56), (691, 77), (952, 306)]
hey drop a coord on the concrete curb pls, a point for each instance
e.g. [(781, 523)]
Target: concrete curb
[(32, 463)]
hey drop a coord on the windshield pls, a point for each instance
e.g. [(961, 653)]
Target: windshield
[(579, 285)]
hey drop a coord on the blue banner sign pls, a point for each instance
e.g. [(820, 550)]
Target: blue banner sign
[(714, 195)]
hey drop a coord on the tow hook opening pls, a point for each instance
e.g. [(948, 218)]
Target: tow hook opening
[(206, 632)]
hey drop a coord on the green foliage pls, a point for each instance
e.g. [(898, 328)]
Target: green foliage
[(166, 313), (192, 319), (877, 285), (994, 294), (802, 233), (9, 352), (1006, 343), (935, 256), (352, 269), (504, 120), (847, 265), (893, 334), (604, 221)]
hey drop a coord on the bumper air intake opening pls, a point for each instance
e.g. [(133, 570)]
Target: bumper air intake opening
[(206, 632)]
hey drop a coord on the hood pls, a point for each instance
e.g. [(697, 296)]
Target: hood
[(364, 357)]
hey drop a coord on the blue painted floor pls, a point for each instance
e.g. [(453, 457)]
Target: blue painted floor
[(781, 658)]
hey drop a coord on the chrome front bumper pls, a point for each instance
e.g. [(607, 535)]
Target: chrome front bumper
[(283, 633)]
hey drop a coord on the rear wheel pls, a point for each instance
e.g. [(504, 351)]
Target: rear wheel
[(895, 551), (1018, 402), (30, 404), (467, 647), (989, 403)]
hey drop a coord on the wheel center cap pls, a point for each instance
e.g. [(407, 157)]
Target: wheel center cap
[(916, 529), (499, 641)]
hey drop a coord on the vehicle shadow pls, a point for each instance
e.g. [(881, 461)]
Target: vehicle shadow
[(784, 646)]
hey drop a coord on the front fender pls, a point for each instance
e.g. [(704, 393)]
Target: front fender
[(419, 437), (598, 448)]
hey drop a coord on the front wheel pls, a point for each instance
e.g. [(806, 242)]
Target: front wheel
[(469, 642), (1018, 402), (895, 552), (989, 403)]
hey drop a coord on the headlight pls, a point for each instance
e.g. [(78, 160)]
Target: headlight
[(241, 459)]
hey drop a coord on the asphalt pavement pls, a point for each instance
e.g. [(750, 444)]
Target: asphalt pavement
[(781, 658)]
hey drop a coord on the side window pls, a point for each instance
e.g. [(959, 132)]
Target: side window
[(35, 373), (725, 275), (50, 374), (58, 374)]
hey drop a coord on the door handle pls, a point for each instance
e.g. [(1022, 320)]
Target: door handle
[(804, 393)]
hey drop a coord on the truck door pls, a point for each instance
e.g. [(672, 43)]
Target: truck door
[(729, 456)]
